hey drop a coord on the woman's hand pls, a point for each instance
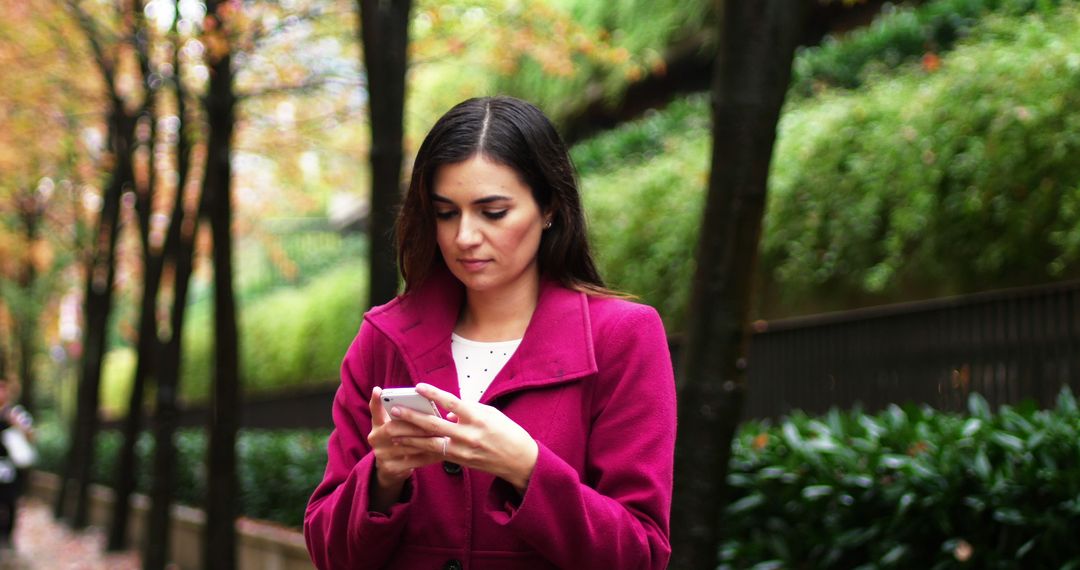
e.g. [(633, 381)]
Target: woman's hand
[(474, 435), (394, 463)]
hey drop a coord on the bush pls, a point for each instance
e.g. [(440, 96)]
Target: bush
[(644, 213), (901, 35), (290, 337), (937, 183), (277, 471), (908, 488), (920, 185)]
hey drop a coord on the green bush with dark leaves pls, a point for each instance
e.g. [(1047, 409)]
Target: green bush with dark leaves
[(908, 488), (277, 470)]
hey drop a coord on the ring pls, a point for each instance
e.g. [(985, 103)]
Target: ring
[(445, 445)]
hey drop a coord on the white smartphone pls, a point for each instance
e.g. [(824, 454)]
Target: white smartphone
[(408, 398)]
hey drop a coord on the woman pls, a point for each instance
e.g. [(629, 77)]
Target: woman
[(556, 445)]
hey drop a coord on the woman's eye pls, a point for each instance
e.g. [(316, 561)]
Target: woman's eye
[(445, 215), (495, 215)]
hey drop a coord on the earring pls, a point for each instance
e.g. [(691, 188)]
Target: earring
[(547, 225)]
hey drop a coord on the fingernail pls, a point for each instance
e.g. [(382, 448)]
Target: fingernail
[(395, 411)]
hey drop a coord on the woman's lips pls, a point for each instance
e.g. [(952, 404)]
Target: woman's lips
[(474, 264)]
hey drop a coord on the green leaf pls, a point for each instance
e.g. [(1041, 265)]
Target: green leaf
[(894, 461), (1025, 549), (981, 465), (793, 439), (1009, 516), (746, 503), (894, 555), (978, 407), (814, 492), (971, 427), (1008, 441), (1066, 402), (905, 502)]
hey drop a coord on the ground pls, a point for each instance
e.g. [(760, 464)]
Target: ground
[(42, 543)]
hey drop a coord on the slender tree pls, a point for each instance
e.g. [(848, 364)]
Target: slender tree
[(31, 213), (148, 345), (219, 548), (752, 72), (384, 32), (179, 249), (100, 276)]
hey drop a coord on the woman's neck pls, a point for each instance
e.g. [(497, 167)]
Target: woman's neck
[(491, 316)]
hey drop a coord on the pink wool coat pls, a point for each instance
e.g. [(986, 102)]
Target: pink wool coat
[(591, 382)]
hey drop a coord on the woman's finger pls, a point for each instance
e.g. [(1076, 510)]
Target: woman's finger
[(429, 424), (444, 399), (378, 414), (440, 446)]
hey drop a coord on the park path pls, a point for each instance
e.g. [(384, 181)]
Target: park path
[(44, 544)]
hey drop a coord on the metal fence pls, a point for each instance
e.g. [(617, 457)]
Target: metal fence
[(1007, 345)]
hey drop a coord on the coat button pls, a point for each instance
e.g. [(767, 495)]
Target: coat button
[(452, 564), (453, 469)]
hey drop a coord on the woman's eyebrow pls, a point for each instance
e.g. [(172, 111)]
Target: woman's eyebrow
[(478, 201)]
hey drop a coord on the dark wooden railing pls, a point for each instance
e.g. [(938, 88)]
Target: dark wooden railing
[(1006, 345)]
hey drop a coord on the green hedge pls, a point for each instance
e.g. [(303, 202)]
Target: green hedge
[(920, 185), (937, 183), (290, 337), (642, 189), (277, 470), (908, 488), (901, 35)]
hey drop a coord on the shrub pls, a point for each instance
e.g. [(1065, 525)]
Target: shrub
[(901, 35), (939, 182), (919, 185), (907, 488), (277, 471), (644, 214), (290, 337)]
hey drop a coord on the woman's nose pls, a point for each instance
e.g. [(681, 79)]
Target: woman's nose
[(468, 232)]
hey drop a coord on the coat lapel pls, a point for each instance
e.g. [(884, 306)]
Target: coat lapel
[(557, 346), (419, 325)]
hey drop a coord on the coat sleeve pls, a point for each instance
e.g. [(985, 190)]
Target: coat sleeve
[(617, 514), (340, 530)]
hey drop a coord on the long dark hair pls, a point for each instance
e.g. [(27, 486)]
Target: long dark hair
[(516, 134)]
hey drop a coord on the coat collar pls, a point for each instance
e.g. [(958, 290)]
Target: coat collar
[(557, 346)]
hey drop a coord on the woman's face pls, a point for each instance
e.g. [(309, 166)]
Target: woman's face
[(488, 225)]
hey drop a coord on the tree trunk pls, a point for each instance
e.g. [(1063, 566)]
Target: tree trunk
[(750, 80), (219, 549), (156, 553), (384, 31), (31, 211), (148, 345), (100, 278), (179, 249)]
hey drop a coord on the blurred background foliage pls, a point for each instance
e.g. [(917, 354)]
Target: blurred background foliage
[(936, 172)]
